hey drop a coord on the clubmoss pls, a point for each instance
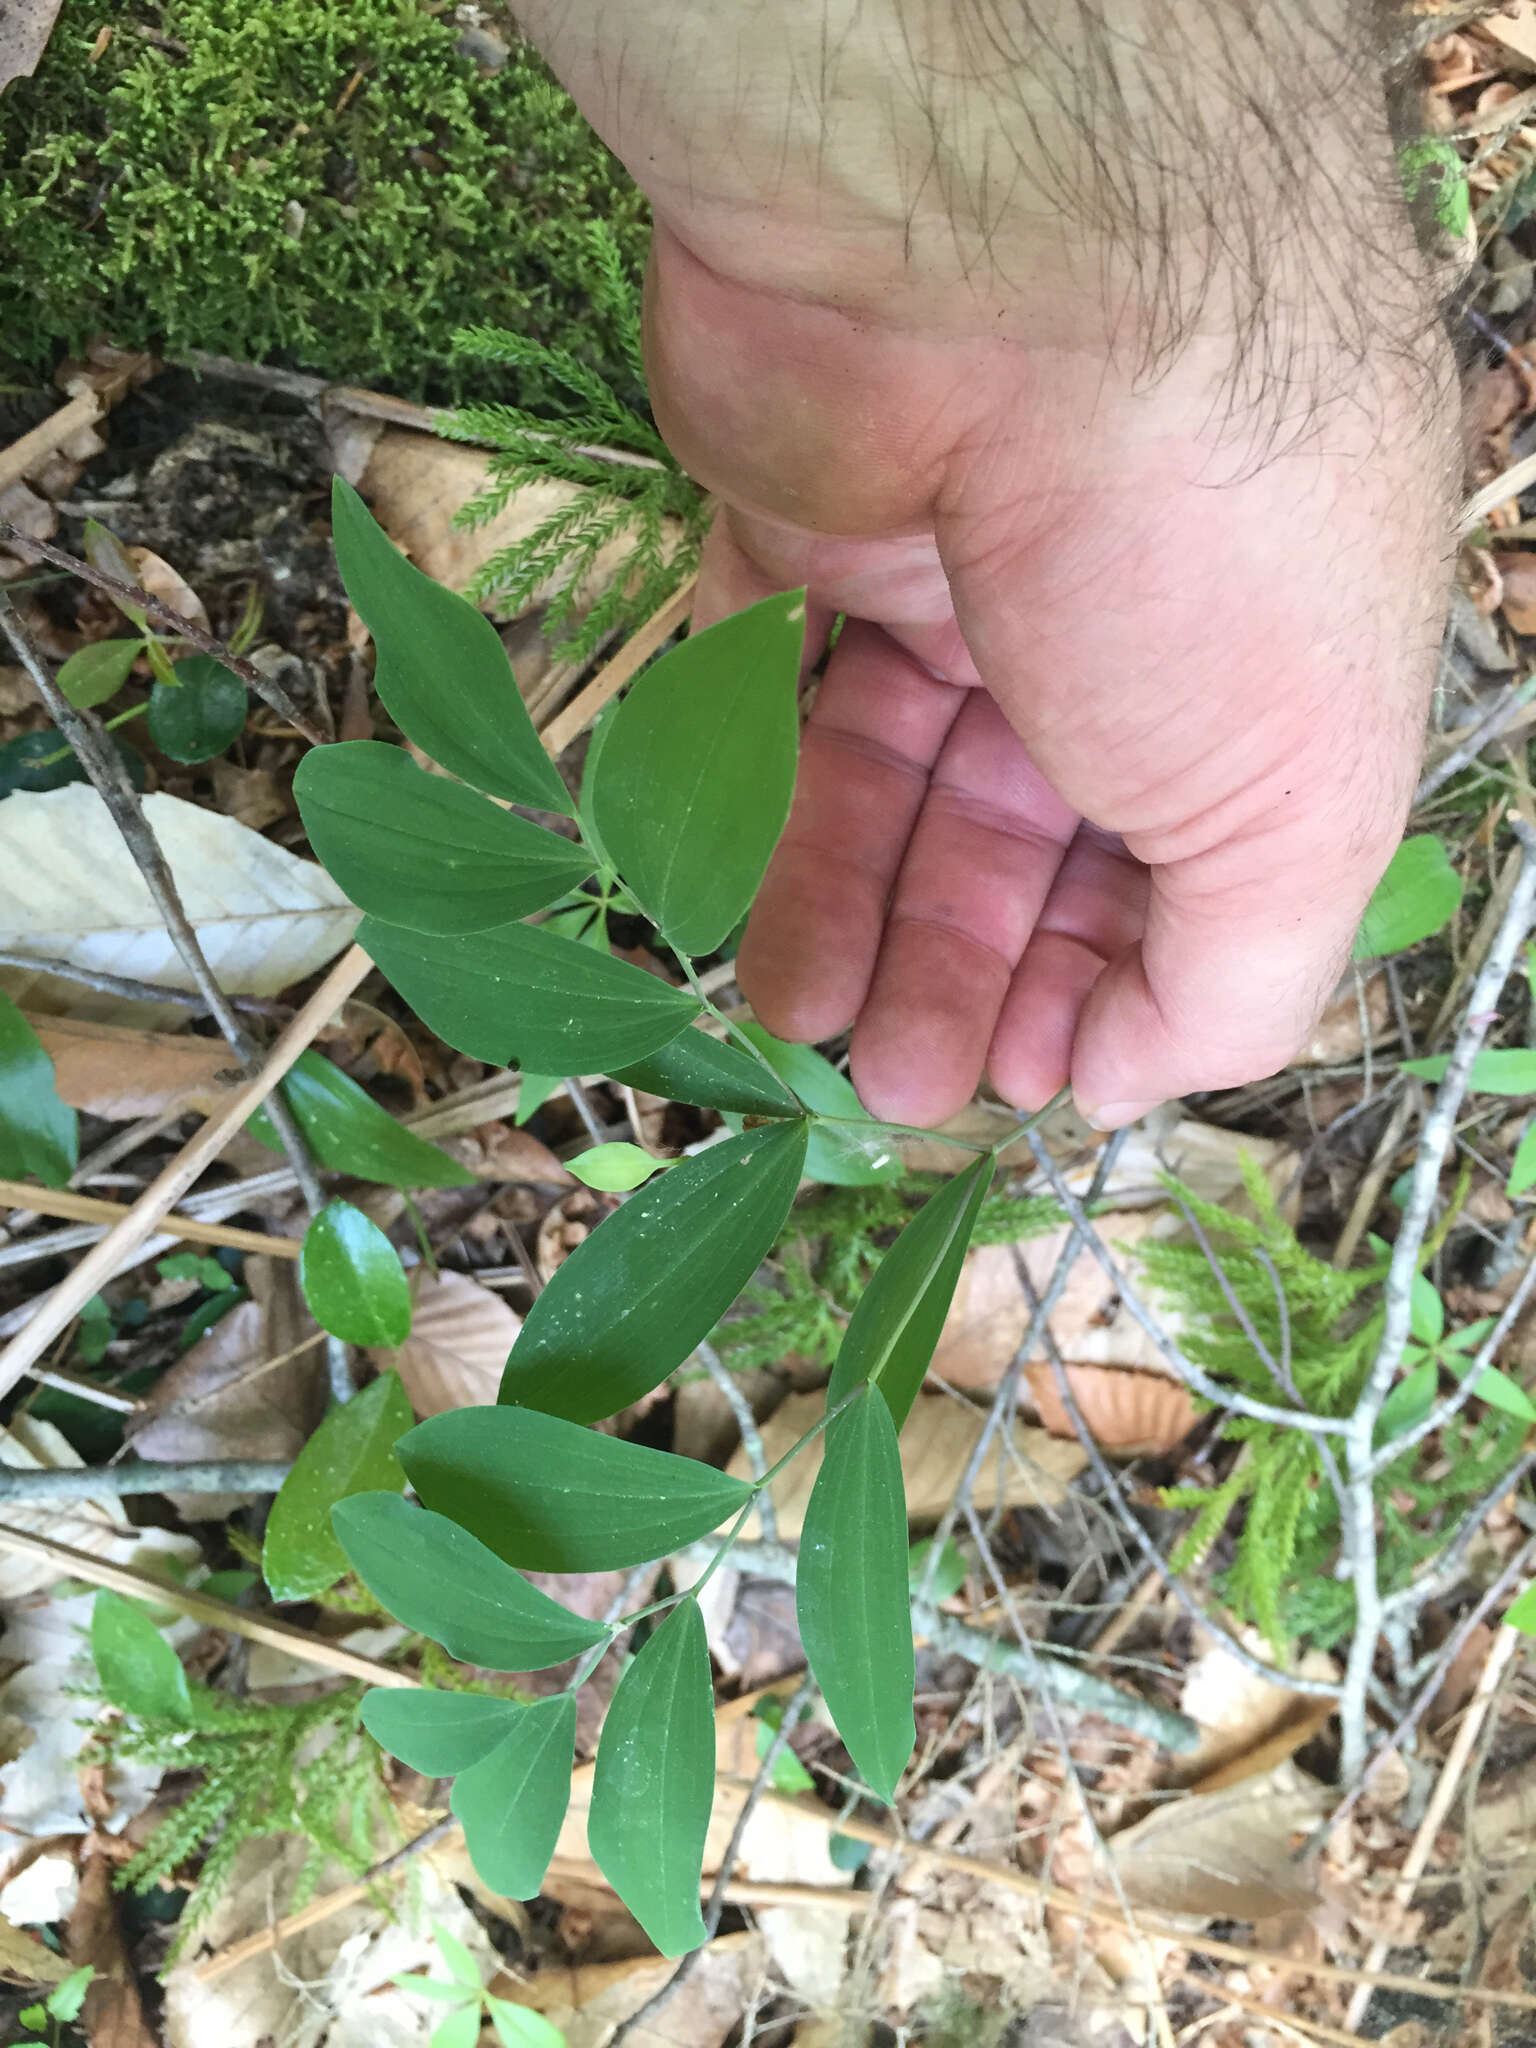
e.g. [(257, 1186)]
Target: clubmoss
[(330, 183)]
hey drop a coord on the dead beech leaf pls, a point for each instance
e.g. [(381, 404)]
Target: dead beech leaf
[(1518, 572), (118, 1073), (252, 796), (1225, 1855), (1241, 1715), (936, 1446), (219, 1401), (1336, 1036), (154, 574), (113, 2016), (588, 2002), (1135, 1414), (460, 1336), (25, 1961), (1513, 28), (570, 1222), (499, 1151), (25, 26)]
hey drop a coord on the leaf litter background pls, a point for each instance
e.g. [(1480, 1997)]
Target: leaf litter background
[(819, 1947)]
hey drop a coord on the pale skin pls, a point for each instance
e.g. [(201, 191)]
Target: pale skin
[(1100, 387)]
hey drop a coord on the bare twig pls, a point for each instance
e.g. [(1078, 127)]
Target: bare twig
[(52, 1315), (203, 1607), (29, 449), (608, 681), (1358, 1503), (16, 1194), (137, 1475), (124, 985), (751, 1436), (272, 694), (1500, 713)]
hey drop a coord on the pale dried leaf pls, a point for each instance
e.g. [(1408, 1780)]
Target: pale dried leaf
[(460, 1336), (1035, 1470), (590, 2001), (500, 1151), (1514, 29), (1238, 1712), (218, 1402), (265, 918), (113, 2016), (100, 1526), (1336, 1036), (251, 796), (567, 1224), (25, 26), (118, 1073), (1133, 1414), (24, 1960), (154, 574), (1227, 1855)]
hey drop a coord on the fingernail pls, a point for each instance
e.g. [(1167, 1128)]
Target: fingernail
[(1110, 1116)]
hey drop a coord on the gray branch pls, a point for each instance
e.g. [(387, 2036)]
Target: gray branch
[(139, 1475)]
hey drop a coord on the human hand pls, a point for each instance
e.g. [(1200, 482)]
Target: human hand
[(1100, 388)]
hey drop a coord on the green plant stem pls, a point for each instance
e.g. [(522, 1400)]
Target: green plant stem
[(691, 976), (107, 725)]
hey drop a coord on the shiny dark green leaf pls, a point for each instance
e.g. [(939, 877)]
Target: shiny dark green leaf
[(138, 1669), (632, 1301), (98, 671), (548, 1495), (851, 1596), (893, 1330), (693, 1067), (349, 1133), (655, 1780), (444, 1583), (855, 1153), (39, 1134), (442, 672), (522, 997), (351, 1452), (44, 760), (352, 1278), (202, 715), (420, 851), (697, 770), (512, 1801), (436, 1733)]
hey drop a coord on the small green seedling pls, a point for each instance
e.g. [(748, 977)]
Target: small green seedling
[(469, 2004), (61, 2006)]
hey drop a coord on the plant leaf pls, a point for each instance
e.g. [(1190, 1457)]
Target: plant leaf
[(351, 1452), (1408, 1403), (697, 770), (513, 1800), (1522, 1615), (418, 850), (352, 1278), (1498, 1070), (94, 673), (38, 1133), (436, 1733), (895, 1326), (65, 2000), (693, 1067), (461, 2029), (349, 1133), (1500, 1391), (1419, 893), (548, 1495), (201, 714), (138, 1669), (442, 672), (444, 1583), (614, 1169), (519, 2026), (651, 1282), (655, 1779), (851, 1596), (263, 917), (522, 997), (1426, 1311), (1522, 1172), (836, 1158)]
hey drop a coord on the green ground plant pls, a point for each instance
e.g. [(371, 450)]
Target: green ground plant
[(327, 182)]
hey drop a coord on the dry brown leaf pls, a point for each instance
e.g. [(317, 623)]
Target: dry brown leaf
[(156, 575), (113, 2016), (936, 1446), (1518, 572), (568, 1223), (587, 2003), (119, 1073), (252, 796), (460, 1336), (216, 1402), (1513, 28), (25, 26), (1336, 1036), (500, 1151), (1227, 1855), (1239, 1713), (25, 1961), (1135, 1414)]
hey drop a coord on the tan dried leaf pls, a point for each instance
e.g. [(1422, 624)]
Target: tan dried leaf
[(239, 1392), (1134, 1414), (566, 1224), (118, 1073), (251, 796), (500, 1151), (460, 1336), (588, 2002), (25, 1961), (154, 574), (1518, 572), (113, 2016), (936, 1446), (1228, 1855), (265, 918), (1513, 28), (99, 1526), (25, 26)]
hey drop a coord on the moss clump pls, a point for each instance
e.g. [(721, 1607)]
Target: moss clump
[(330, 183)]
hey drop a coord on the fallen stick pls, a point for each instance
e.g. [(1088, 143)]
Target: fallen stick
[(203, 1607), (58, 1310), (610, 679), (19, 1194)]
